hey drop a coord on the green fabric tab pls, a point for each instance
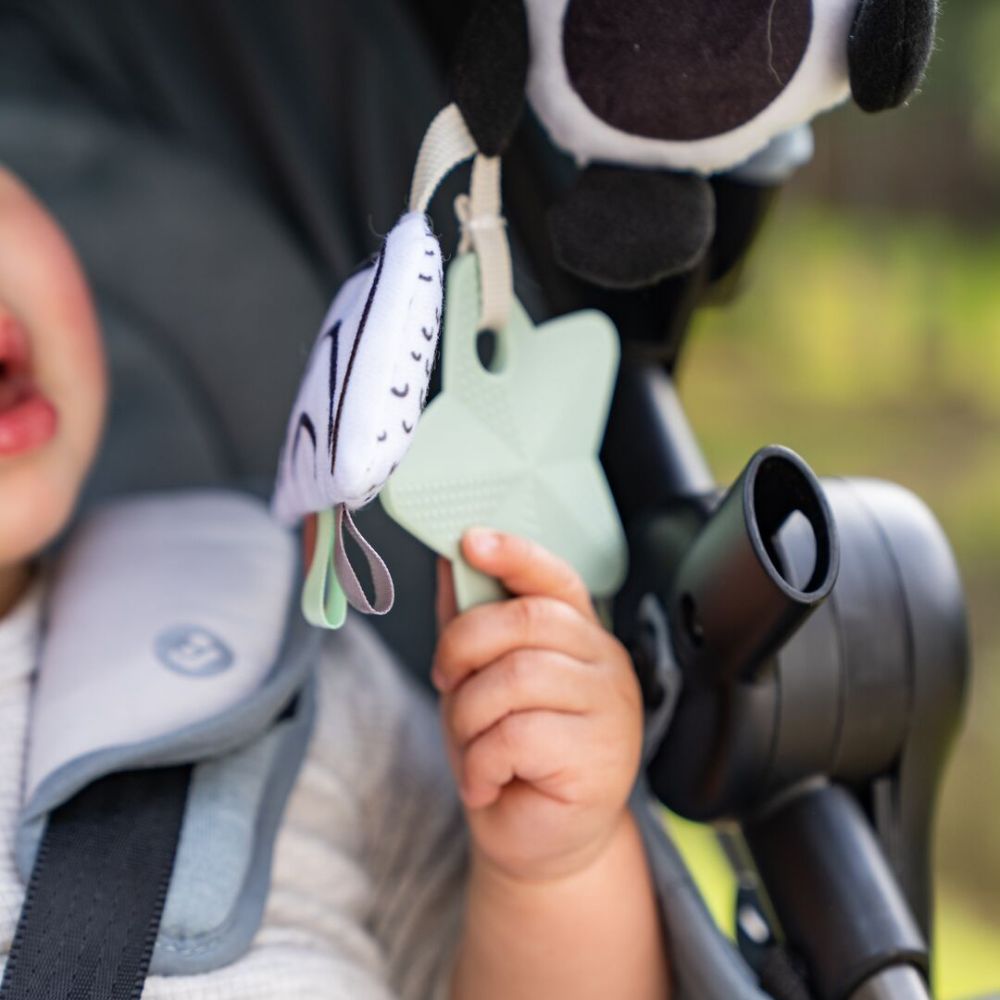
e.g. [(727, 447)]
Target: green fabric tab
[(515, 447), (324, 602)]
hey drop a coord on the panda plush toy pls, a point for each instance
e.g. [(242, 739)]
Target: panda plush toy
[(654, 97)]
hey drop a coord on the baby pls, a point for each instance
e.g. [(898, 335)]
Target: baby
[(372, 895)]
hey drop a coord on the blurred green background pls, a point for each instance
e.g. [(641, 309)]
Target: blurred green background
[(867, 337)]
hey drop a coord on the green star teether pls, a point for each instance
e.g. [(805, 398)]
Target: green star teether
[(514, 447)]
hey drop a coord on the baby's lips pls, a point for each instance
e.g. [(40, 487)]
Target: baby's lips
[(29, 424), (14, 386), (27, 418), (15, 348)]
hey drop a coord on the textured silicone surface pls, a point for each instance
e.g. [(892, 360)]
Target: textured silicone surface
[(514, 447)]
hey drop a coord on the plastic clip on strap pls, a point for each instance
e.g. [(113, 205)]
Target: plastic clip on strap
[(446, 144), (96, 894)]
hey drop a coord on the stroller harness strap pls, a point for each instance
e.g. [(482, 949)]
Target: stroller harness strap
[(97, 890)]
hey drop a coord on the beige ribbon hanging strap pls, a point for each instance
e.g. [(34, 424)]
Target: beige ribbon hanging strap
[(446, 144), (484, 230)]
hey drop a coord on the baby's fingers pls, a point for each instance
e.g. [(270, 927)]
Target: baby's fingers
[(526, 568), (484, 634), (520, 681), (535, 747)]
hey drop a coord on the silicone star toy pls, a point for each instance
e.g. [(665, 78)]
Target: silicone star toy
[(514, 447)]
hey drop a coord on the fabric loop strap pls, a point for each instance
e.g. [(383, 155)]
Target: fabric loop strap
[(381, 578)]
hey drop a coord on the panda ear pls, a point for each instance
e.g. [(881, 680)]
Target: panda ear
[(888, 50), (489, 71), (622, 228)]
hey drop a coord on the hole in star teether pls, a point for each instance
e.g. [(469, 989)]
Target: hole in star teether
[(488, 350)]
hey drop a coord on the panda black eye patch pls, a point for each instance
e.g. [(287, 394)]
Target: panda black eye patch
[(685, 70)]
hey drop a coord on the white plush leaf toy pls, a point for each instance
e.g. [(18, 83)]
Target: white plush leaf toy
[(362, 394)]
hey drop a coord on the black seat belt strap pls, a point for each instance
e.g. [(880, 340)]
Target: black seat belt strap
[(96, 894)]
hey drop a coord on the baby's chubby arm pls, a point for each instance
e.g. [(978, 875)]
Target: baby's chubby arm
[(543, 721)]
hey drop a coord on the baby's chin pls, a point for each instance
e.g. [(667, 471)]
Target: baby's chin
[(38, 491)]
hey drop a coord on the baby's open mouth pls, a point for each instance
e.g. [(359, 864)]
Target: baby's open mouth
[(27, 418)]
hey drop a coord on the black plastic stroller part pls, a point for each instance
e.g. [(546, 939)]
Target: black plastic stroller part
[(899, 982), (820, 726), (832, 889), (732, 604), (779, 973)]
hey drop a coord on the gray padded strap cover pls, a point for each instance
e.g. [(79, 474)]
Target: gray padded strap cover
[(170, 641)]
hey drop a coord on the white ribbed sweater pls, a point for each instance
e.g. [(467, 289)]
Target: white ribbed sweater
[(366, 891)]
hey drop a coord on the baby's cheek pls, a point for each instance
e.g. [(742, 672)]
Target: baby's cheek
[(69, 351), (42, 284), (75, 382), (71, 365), (42, 281), (79, 384)]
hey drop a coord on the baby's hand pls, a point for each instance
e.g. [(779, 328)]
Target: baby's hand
[(542, 713)]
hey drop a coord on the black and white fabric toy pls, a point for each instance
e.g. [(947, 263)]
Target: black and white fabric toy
[(651, 97), (364, 388)]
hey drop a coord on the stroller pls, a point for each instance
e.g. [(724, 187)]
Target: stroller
[(801, 644)]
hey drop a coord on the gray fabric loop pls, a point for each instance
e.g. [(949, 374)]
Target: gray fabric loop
[(381, 578)]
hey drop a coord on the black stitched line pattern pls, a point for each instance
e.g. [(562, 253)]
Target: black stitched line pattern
[(334, 334), (354, 353), (382, 436), (426, 277), (416, 355), (407, 427), (305, 424), (428, 334), (401, 393)]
